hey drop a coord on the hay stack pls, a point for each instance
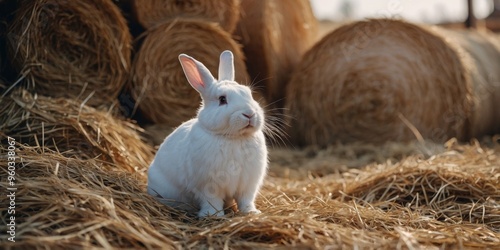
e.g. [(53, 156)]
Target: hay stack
[(73, 129), (150, 13), (159, 85), (71, 49), (381, 80), (274, 35)]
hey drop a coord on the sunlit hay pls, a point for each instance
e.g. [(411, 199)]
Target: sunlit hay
[(71, 203), (381, 80), (72, 49), (150, 13), (159, 85), (459, 186), (275, 34), (74, 129)]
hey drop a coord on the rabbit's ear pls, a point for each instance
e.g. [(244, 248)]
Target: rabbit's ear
[(226, 66), (196, 73)]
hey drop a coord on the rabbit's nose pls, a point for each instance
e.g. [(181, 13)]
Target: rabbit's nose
[(248, 115)]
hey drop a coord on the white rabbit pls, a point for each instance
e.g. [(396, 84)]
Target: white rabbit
[(218, 156)]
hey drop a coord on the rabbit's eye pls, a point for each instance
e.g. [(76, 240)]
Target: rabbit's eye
[(222, 100)]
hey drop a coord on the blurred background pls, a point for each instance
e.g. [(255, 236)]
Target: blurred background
[(424, 11), (455, 14)]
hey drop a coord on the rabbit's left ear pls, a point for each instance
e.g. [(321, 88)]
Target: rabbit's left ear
[(226, 66), (196, 73)]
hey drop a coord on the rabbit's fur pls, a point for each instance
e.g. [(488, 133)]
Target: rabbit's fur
[(217, 156)]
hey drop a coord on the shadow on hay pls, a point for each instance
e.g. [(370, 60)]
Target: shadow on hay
[(7, 74)]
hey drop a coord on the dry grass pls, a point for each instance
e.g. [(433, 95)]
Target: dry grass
[(74, 129), (72, 49), (388, 80), (450, 200), (151, 13), (159, 86)]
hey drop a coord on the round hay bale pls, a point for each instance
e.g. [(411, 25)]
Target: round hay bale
[(159, 86), (74, 129), (71, 49), (388, 80), (480, 52), (275, 34), (150, 13)]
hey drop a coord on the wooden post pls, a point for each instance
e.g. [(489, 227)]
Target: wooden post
[(470, 23)]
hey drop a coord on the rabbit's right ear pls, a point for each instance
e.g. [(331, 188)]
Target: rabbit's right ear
[(226, 66), (196, 73)]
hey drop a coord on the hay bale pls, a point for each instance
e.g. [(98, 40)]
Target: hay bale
[(150, 13), (159, 86), (480, 52), (71, 49), (74, 129), (383, 80), (275, 34)]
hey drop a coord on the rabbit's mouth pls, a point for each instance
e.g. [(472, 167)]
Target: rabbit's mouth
[(249, 129)]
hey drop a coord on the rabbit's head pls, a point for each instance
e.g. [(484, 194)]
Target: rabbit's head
[(227, 108)]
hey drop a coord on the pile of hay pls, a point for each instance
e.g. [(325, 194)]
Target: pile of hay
[(381, 80), (275, 34), (73, 49), (159, 85), (74, 129), (150, 13), (448, 201)]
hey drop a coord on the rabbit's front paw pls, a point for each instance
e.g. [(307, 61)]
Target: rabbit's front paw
[(248, 208), (255, 211)]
